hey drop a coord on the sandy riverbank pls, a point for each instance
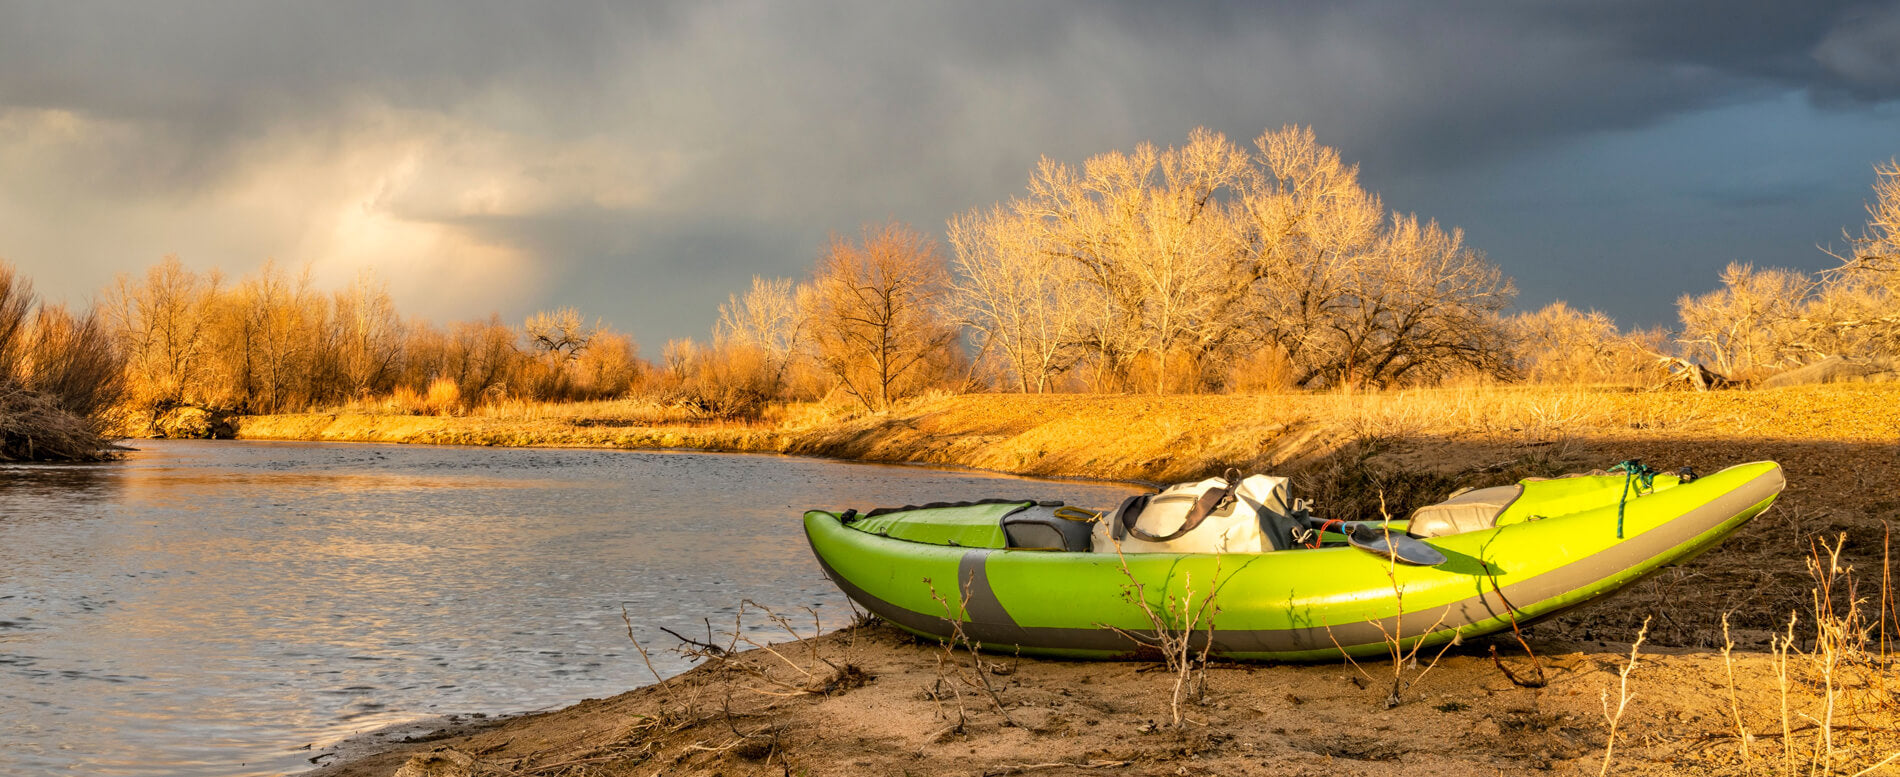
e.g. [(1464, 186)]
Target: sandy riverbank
[(910, 708), (752, 715)]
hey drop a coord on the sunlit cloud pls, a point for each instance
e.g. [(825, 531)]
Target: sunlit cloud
[(643, 161)]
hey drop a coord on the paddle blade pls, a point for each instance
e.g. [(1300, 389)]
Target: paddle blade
[(1394, 545)]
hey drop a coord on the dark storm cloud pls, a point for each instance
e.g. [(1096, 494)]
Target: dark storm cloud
[(721, 139)]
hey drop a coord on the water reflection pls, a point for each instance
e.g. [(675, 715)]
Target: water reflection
[(209, 608), (35, 491)]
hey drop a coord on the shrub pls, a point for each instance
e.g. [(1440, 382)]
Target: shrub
[(60, 378)]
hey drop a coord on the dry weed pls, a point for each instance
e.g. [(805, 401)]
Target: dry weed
[(1623, 696), (979, 675), (1175, 620)]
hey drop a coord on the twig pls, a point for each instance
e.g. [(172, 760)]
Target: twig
[(974, 647), (707, 648), (647, 659), (1511, 610), (1020, 768), (1734, 704), (1174, 641), (1623, 698)]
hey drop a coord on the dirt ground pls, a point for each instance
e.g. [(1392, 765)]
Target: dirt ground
[(872, 700)]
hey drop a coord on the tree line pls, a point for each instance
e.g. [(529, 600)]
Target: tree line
[(272, 343), (1207, 267)]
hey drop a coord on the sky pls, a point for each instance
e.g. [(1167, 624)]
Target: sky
[(641, 161)]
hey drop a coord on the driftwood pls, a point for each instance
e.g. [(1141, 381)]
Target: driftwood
[(1696, 376)]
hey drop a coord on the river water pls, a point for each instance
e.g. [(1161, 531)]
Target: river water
[(212, 608)]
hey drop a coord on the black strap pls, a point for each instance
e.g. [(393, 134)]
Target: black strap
[(1118, 523), (1203, 507)]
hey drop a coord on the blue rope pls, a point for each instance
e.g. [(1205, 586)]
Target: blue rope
[(1645, 479)]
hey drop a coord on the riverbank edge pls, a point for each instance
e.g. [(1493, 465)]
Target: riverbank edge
[(1107, 438), (1159, 439)]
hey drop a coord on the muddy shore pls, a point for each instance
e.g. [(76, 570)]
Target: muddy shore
[(909, 707)]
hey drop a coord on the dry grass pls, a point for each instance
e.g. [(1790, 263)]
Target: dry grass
[(1178, 437)]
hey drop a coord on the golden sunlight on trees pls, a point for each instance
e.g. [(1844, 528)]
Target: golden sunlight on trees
[(1761, 321), (60, 377), (767, 324), (575, 360), (272, 343), (1865, 308), (1162, 268), (1752, 324), (1205, 267), (161, 325), (1022, 305), (1878, 249), (873, 312), (369, 337), (1424, 306), (1560, 344)]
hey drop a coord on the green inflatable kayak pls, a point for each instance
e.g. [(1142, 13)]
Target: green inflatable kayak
[(1510, 554)]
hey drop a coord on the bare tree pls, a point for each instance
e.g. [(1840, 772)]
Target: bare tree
[(161, 324), (1877, 252), (17, 301), (369, 336), (767, 320), (1856, 309), (1753, 322), (873, 313), (559, 334), (1560, 344), (1151, 233), (482, 355), (1311, 230), (1420, 307), (73, 361), (1024, 304), (1202, 254), (609, 367), (59, 377)]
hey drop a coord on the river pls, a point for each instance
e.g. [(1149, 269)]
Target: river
[(215, 608)]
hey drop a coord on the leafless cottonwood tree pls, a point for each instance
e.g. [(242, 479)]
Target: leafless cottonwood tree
[(767, 321), (1774, 318), (1420, 306), (1195, 255), (1150, 232), (1877, 251), (1864, 293), (1027, 307), (873, 311), (481, 355), (1309, 228), (160, 323), (290, 319), (560, 334), (1748, 325), (557, 338), (1561, 344), (369, 337)]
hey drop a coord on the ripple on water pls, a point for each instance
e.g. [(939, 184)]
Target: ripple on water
[(214, 608)]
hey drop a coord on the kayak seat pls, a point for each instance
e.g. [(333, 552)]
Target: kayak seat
[(1474, 510), (1049, 526)]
